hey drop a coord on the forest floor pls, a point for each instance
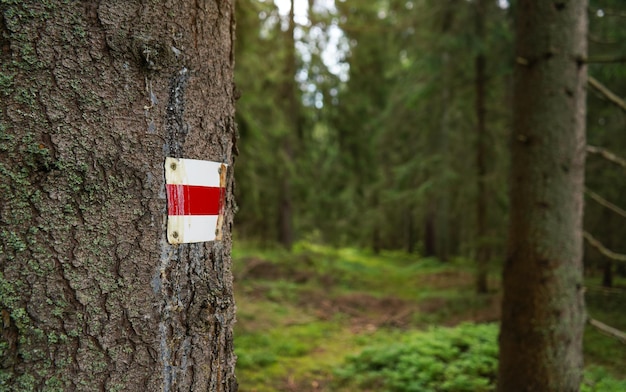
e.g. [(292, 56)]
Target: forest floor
[(301, 314)]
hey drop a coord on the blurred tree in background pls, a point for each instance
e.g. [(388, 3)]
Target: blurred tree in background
[(543, 312)]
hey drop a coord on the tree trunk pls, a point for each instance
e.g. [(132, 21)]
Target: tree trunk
[(482, 251), (442, 222), (543, 310), (285, 214), (443, 213), (292, 110), (410, 230), (94, 96), (607, 273), (430, 239)]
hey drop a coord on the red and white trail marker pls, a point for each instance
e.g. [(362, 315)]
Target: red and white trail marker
[(195, 200)]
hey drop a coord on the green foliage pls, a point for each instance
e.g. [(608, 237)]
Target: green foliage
[(382, 148), (285, 330), (287, 325), (349, 269), (264, 349), (462, 359), (598, 379)]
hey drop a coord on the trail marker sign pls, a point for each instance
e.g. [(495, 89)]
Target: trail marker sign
[(195, 200)]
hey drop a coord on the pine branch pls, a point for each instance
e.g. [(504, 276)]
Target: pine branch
[(608, 330), (607, 12), (602, 41), (608, 155), (606, 290), (604, 202), (603, 249), (606, 59), (608, 94)]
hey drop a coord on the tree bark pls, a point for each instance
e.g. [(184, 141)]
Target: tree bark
[(543, 310), (94, 96)]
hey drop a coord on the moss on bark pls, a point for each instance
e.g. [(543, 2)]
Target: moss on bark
[(91, 295)]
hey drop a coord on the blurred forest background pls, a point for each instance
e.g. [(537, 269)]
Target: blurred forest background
[(375, 146)]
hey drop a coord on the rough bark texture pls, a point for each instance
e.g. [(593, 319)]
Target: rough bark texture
[(543, 311), (95, 95)]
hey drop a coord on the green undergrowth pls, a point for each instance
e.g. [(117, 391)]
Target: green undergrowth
[(460, 359), (301, 313), (325, 319), (348, 269)]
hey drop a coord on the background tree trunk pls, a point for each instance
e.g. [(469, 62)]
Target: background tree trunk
[(607, 264), (482, 250), (543, 311), (293, 132), (94, 96)]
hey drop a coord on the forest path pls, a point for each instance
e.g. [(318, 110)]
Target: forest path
[(301, 313)]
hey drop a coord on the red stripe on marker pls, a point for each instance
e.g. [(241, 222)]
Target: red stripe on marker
[(194, 200)]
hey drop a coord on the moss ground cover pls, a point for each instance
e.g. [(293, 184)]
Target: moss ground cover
[(324, 319)]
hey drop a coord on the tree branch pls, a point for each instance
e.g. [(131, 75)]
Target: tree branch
[(604, 202), (608, 94), (607, 12), (606, 290), (608, 155), (620, 58), (603, 249), (602, 41), (608, 330)]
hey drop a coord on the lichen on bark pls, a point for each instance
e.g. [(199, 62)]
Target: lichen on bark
[(95, 95)]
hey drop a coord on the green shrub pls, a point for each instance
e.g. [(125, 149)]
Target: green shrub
[(461, 359), (598, 379)]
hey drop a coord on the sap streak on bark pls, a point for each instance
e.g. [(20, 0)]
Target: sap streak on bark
[(175, 133), (175, 127)]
